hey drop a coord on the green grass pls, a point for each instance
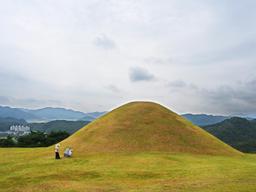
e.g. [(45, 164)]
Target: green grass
[(26, 170)]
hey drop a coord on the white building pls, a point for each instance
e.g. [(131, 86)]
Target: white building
[(20, 130)]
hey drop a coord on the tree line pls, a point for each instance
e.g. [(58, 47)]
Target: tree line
[(34, 139)]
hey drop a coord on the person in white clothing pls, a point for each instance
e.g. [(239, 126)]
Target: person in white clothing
[(68, 152), (57, 150)]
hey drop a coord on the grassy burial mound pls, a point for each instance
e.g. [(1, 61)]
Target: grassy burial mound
[(145, 127)]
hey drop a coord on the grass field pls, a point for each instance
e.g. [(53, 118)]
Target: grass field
[(140, 146), (26, 170)]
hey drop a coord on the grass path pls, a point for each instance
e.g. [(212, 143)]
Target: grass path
[(25, 170)]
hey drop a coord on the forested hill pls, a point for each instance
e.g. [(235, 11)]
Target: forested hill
[(238, 132)]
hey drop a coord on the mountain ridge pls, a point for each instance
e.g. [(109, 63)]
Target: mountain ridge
[(205, 119), (47, 114)]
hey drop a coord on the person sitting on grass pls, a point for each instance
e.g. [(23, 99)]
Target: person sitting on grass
[(68, 152), (57, 149)]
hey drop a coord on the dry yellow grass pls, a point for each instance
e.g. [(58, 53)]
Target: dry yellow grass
[(145, 127)]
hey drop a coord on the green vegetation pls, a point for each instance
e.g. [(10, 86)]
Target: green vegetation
[(9, 141), (34, 139), (238, 132), (28, 170)]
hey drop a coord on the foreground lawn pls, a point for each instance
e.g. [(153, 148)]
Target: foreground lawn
[(26, 170)]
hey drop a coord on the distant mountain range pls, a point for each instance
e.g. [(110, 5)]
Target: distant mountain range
[(47, 114), (50, 114), (16, 113), (238, 132), (203, 119)]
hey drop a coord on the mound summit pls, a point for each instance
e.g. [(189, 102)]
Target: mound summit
[(145, 127)]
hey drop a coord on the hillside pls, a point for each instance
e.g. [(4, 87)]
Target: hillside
[(58, 125), (145, 126), (237, 132), (203, 119)]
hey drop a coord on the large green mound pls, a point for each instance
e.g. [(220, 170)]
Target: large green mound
[(145, 126)]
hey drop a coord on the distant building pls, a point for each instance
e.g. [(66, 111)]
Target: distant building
[(19, 130)]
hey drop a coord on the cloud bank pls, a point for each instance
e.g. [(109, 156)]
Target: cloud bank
[(95, 55)]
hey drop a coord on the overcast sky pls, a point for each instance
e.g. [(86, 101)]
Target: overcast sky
[(93, 55)]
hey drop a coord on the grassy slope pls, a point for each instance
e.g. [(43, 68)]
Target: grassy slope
[(145, 126), (27, 170)]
